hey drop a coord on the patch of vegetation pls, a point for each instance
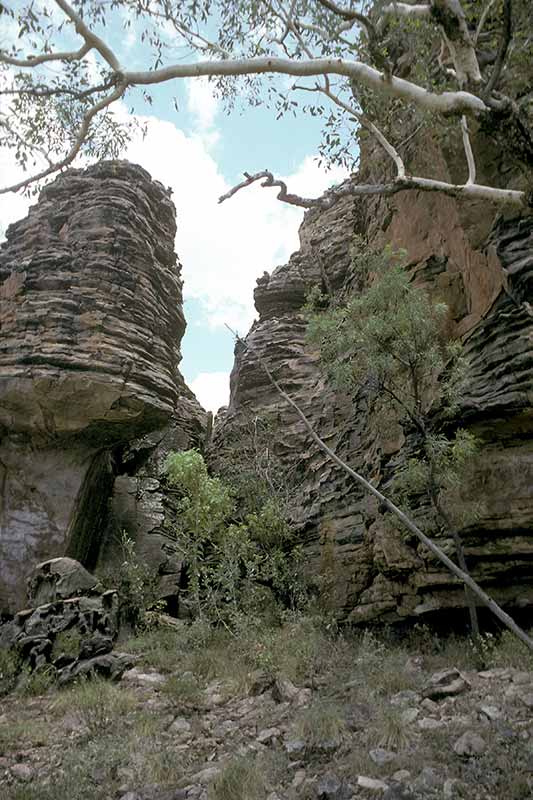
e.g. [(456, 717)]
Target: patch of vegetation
[(184, 690), (38, 681), (322, 727), (505, 650), (390, 340), (99, 704), (10, 666), (67, 643), (229, 560), (159, 647), (240, 779), (136, 585), (23, 733)]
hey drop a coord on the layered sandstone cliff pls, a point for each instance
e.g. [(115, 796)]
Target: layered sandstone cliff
[(481, 263), (90, 327)]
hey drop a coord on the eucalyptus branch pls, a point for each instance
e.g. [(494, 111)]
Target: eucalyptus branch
[(450, 17), (91, 39), (43, 58), (23, 142), (81, 136), (372, 128), (60, 91), (473, 190), (350, 14)]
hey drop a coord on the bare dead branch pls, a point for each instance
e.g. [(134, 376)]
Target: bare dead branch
[(397, 512), (467, 190)]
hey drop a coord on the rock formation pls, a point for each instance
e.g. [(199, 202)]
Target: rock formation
[(70, 627), (90, 323), (480, 263)]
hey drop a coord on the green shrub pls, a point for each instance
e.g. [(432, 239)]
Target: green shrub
[(99, 704), (10, 666), (136, 585), (240, 779), (37, 681), (67, 643), (322, 727), (229, 562)]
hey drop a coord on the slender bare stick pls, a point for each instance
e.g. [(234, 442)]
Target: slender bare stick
[(397, 512), (468, 152)]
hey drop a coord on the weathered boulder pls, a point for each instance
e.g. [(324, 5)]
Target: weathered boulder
[(91, 321), (59, 579), (481, 264), (71, 635)]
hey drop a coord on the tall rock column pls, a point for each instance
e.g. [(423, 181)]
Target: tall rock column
[(90, 327)]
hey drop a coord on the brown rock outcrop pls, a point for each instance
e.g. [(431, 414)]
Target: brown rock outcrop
[(90, 327), (457, 251)]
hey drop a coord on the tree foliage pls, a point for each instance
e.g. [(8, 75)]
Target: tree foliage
[(370, 64), (229, 559), (389, 340)]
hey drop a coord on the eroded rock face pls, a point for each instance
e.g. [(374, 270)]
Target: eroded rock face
[(457, 251), (91, 322)]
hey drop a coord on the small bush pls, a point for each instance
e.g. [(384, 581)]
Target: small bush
[(99, 704), (508, 651), (183, 690), (322, 727), (10, 666), (136, 585), (67, 643), (241, 779), (390, 730), (36, 682), (160, 647)]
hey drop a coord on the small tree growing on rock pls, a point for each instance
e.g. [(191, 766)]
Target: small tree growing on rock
[(390, 338), (228, 558)]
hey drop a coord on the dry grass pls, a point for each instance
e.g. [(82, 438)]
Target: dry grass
[(99, 704), (322, 727), (241, 779)]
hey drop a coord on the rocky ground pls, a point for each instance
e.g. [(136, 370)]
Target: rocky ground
[(296, 711)]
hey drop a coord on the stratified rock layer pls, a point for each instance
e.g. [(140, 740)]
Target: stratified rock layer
[(90, 327), (457, 251)]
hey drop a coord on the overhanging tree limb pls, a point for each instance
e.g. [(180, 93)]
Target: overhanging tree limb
[(504, 618), (467, 190)]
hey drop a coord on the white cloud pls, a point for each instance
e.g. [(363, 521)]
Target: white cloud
[(224, 248), (211, 389), (202, 103)]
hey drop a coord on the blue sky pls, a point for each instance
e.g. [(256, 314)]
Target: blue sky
[(200, 152)]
